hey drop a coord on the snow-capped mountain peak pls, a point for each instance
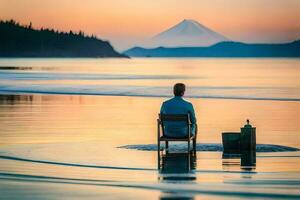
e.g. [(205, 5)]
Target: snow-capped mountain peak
[(187, 33)]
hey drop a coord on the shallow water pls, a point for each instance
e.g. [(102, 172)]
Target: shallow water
[(67, 145), (257, 79)]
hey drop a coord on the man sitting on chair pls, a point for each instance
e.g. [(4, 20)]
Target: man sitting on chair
[(177, 105)]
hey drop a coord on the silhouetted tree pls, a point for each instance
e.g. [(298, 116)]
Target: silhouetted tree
[(81, 33), (24, 41)]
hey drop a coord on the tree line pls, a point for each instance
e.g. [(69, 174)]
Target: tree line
[(25, 41)]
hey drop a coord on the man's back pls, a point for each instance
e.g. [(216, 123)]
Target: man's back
[(177, 105)]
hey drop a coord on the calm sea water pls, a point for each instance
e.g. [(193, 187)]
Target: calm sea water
[(62, 122), (271, 79)]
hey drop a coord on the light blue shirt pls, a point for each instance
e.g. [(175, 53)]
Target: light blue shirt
[(178, 105)]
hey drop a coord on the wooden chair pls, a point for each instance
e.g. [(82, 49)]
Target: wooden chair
[(175, 118)]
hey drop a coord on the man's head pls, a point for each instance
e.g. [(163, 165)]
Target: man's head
[(179, 89)]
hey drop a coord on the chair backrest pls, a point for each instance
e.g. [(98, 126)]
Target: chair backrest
[(173, 118)]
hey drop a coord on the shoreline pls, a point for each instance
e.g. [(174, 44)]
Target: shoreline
[(27, 92)]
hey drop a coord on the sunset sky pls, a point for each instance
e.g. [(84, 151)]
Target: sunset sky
[(127, 22)]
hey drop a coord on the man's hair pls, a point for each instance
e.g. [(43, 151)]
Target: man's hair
[(179, 89)]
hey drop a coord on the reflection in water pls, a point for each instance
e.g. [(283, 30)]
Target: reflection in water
[(171, 197), (29, 99), (15, 99), (248, 160), (15, 68), (176, 168), (231, 162), (245, 161)]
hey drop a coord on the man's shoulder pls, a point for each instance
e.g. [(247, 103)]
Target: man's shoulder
[(168, 100), (187, 102), (175, 100)]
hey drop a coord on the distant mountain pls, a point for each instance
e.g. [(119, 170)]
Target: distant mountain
[(24, 41), (187, 33), (223, 49)]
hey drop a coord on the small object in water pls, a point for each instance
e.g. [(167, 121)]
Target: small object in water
[(248, 137), (231, 142)]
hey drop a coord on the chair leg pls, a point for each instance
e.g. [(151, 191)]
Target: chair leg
[(158, 155), (189, 161), (167, 146), (194, 145)]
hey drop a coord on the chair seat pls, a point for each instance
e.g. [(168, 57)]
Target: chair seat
[(164, 138)]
